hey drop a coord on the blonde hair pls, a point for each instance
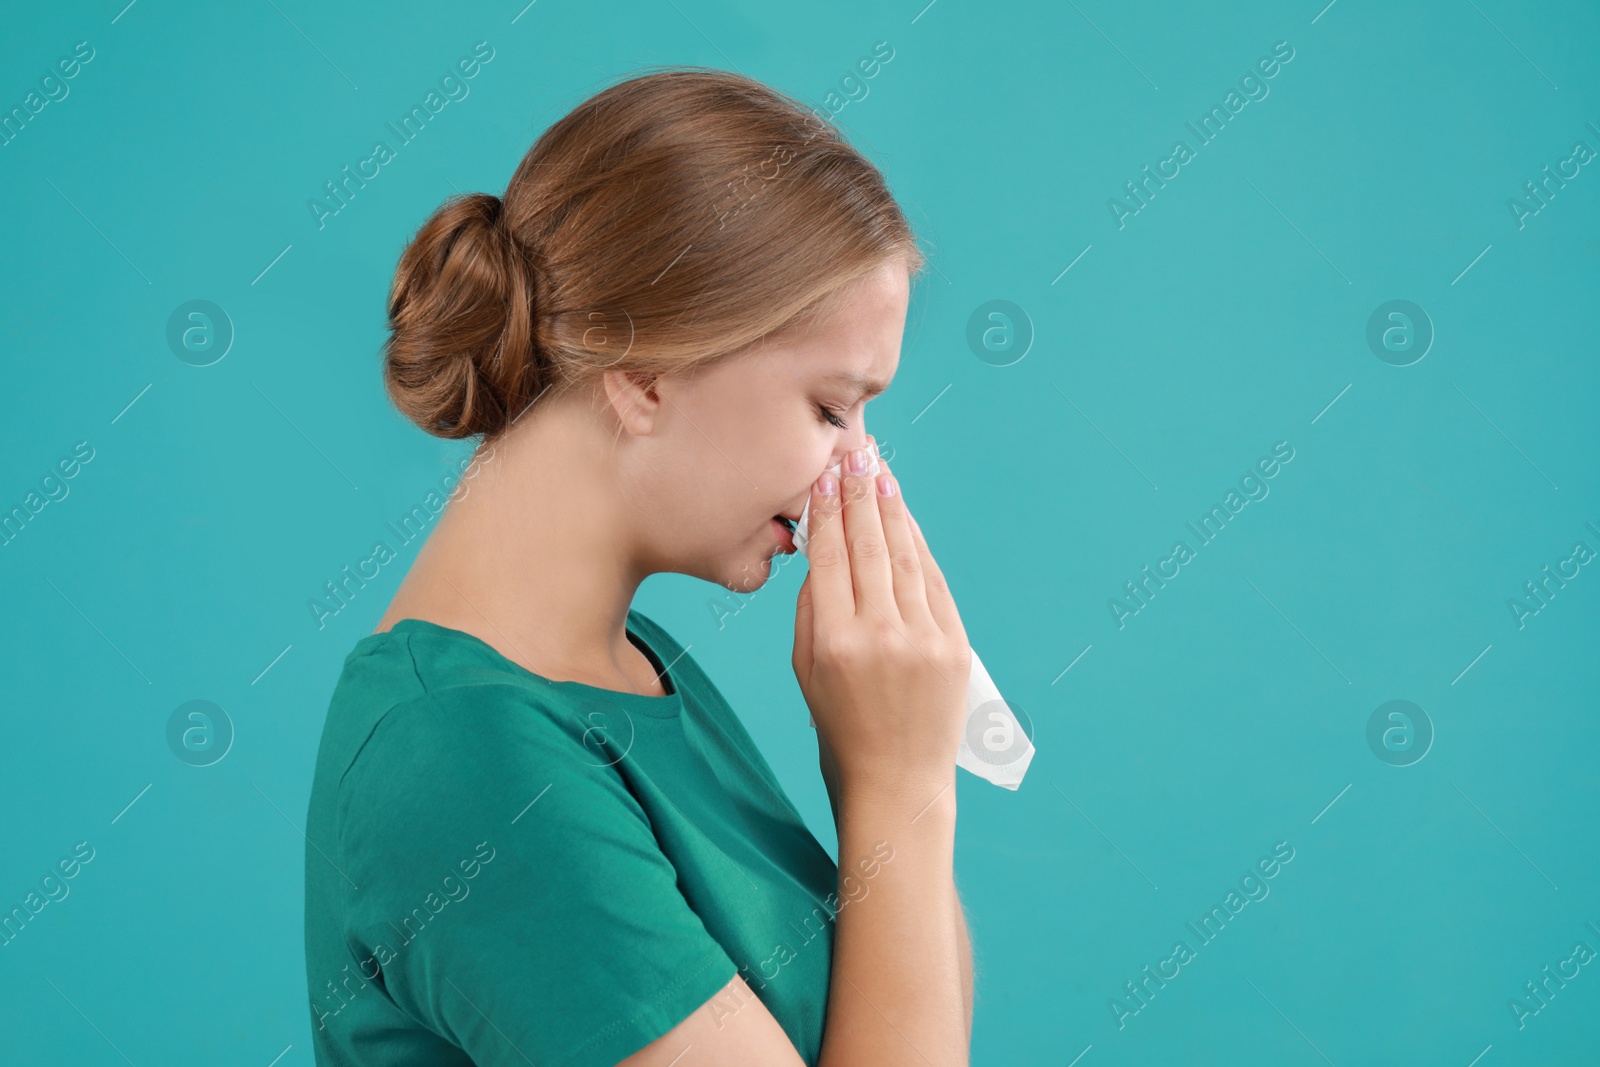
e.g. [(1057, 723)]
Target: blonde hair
[(668, 221)]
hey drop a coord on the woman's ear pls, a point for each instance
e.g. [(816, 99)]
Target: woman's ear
[(633, 399)]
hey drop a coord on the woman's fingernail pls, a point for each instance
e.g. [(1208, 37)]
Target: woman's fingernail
[(858, 461), (827, 484), (886, 486)]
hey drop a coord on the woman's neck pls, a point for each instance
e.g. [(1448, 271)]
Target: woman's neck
[(534, 555)]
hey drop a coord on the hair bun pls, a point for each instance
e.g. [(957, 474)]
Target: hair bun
[(461, 347)]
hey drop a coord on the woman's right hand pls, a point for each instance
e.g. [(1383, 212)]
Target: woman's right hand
[(879, 650)]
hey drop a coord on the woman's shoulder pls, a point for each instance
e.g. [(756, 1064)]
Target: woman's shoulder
[(439, 702)]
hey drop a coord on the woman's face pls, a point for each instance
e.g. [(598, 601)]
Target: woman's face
[(743, 440)]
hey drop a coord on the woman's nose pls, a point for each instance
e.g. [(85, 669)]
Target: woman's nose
[(859, 439)]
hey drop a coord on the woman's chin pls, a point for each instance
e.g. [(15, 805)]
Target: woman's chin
[(752, 573)]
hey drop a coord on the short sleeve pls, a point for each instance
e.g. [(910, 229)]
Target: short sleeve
[(511, 888)]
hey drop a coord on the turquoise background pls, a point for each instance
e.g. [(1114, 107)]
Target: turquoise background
[(1229, 314)]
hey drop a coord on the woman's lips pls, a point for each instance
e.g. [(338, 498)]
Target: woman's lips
[(785, 537)]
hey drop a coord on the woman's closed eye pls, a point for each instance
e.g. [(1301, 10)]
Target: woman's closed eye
[(832, 417)]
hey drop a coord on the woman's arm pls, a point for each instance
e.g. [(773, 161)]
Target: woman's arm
[(830, 778), (966, 966), (897, 993)]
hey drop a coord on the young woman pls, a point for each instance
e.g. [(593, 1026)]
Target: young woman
[(537, 833)]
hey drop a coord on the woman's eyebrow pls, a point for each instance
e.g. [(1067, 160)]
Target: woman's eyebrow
[(866, 386)]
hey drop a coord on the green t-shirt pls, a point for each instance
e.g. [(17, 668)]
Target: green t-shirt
[(504, 869)]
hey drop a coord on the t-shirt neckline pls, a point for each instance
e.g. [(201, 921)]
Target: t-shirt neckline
[(665, 706)]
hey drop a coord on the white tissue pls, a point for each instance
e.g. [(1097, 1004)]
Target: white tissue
[(1004, 749)]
